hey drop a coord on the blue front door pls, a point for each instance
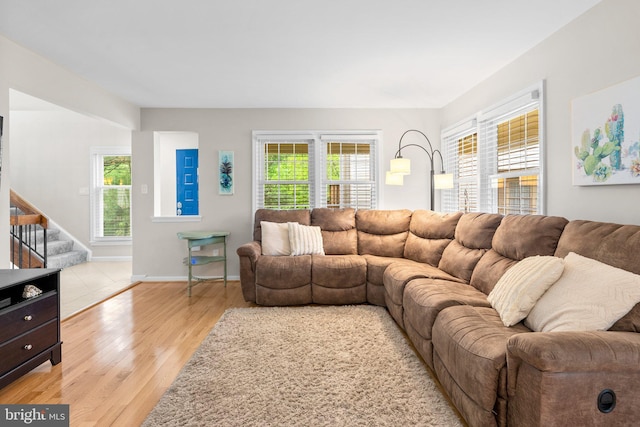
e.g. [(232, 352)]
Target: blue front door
[(187, 182)]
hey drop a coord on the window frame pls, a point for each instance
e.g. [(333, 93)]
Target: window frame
[(318, 159), (96, 201), (521, 103)]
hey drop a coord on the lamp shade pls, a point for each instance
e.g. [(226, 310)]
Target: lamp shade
[(443, 181), (394, 178), (400, 166)]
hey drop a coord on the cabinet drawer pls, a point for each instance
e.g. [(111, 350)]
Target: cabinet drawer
[(28, 315), (25, 346)]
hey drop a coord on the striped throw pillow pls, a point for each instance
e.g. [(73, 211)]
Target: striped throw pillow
[(305, 239)]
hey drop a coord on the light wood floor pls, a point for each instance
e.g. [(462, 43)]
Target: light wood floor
[(120, 356)]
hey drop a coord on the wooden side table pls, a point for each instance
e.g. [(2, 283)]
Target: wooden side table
[(203, 238)]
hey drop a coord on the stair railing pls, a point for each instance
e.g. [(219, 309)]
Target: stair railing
[(25, 220)]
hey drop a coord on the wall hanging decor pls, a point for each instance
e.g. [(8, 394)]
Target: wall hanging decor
[(225, 172), (606, 136)]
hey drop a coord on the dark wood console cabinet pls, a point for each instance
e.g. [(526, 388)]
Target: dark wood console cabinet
[(29, 327)]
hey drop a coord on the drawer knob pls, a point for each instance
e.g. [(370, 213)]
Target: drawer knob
[(28, 347), (28, 317)]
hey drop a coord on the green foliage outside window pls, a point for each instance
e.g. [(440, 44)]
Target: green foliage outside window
[(116, 196), (294, 169)]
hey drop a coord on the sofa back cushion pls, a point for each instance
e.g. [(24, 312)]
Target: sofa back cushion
[(338, 227), (382, 232), (429, 234), (614, 244), (302, 216), (473, 236), (517, 237)]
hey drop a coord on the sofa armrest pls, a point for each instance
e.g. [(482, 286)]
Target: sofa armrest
[(563, 378), (252, 250), (576, 351), (249, 254)]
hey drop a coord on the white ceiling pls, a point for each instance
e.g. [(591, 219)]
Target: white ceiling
[(285, 53)]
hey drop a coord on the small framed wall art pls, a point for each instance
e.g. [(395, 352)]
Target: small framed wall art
[(225, 172), (606, 136)]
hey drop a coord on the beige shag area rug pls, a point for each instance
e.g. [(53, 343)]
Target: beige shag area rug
[(304, 366)]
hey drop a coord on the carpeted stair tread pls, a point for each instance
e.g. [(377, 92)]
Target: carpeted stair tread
[(66, 259)]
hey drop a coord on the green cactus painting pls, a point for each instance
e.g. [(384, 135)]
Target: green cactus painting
[(614, 128), (591, 154), (606, 135)]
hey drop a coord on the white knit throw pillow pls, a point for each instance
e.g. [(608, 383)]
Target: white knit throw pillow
[(522, 285), (305, 239)]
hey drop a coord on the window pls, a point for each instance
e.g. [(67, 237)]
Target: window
[(111, 195), (349, 178), (285, 180), (310, 169), (497, 163)]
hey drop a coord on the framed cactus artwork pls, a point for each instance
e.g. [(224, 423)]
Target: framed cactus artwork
[(606, 136), (225, 173)]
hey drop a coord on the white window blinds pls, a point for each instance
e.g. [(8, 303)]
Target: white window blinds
[(284, 176), (460, 147), (110, 197), (498, 163), (310, 169), (349, 173)]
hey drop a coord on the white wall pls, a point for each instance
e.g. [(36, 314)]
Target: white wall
[(157, 252), (23, 70), (50, 167), (599, 49)]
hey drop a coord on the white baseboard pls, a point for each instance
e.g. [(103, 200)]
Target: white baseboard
[(112, 258), (145, 278)]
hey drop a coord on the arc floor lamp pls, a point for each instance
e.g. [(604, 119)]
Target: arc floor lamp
[(400, 166)]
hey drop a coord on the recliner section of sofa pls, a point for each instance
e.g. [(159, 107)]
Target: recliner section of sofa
[(433, 272)]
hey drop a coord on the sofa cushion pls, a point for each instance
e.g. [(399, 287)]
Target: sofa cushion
[(339, 233), (424, 299), (472, 239), (517, 237), (339, 279), (460, 261), (521, 236), (382, 232), (376, 266), (401, 272), (429, 234), (301, 216), (522, 285), (396, 277), (589, 296), (305, 239), (476, 230), (283, 280), (470, 346), (614, 244)]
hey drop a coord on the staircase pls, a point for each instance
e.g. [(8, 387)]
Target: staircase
[(35, 243), (60, 251)]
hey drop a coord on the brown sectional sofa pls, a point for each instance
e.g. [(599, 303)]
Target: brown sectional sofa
[(433, 272)]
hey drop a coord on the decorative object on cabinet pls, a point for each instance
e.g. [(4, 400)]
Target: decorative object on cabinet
[(29, 327)]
